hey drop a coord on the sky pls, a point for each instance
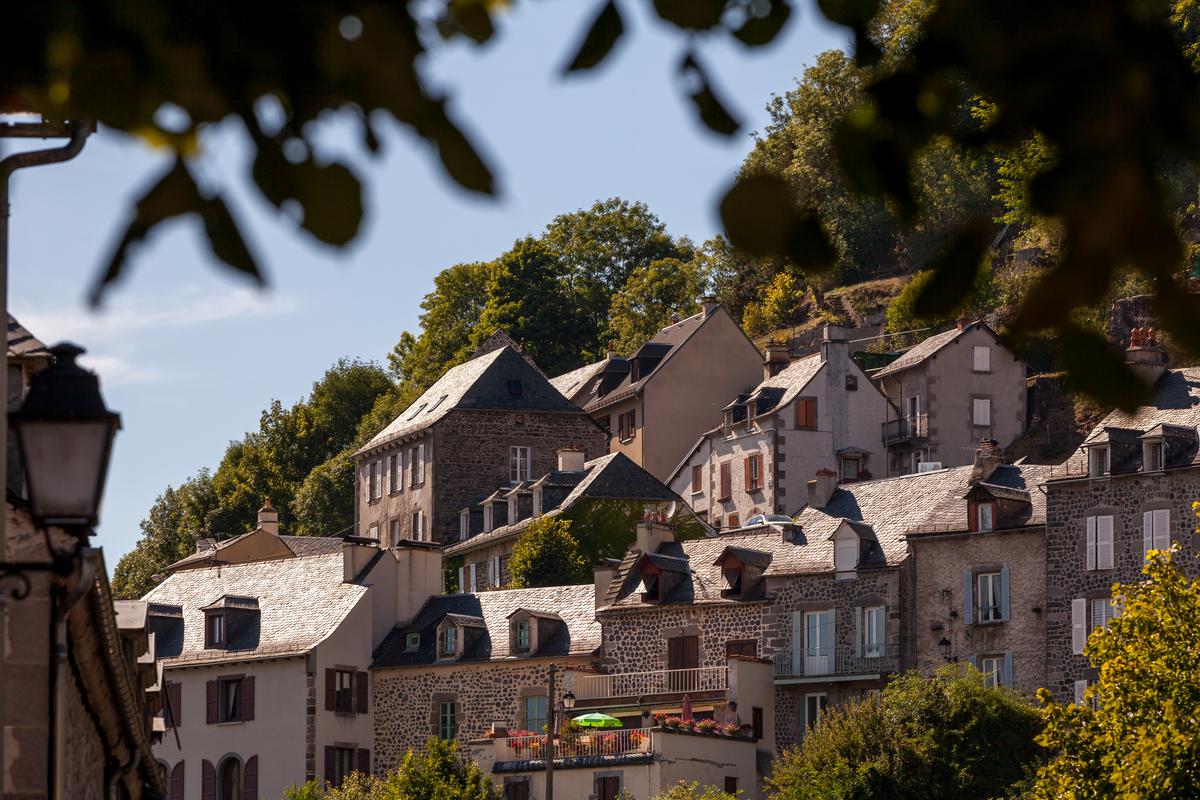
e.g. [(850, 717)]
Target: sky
[(190, 354)]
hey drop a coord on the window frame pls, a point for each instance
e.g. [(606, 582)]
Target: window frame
[(754, 471), (520, 463), (805, 420), (978, 403), (343, 696), (871, 648), (988, 506), (1092, 542), (447, 720), (416, 463), (236, 683), (1099, 453), (995, 612), (987, 358), (1155, 464), (992, 668), (843, 461), (339, 773), (522, 627), (214, 621), (543, 716), (1150, 532), (697, 479), (412, 641), (448, 636), (395, 473)]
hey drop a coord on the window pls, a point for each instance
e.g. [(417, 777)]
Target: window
[(393, 532), (985, 517), (230, 695), (726, 482), (516, 389), (650, 587), (449, 640), (731, 785), (756, 722), (845, 554), (436, 403), (343, 764), (819, 636), (754, 473), (981, 411), (417, 528), (343, 690), (1156, 530), (412, 641), (733, 581), (521, 636), (1097, 461), (420, 408), (983, 359), (697, 479), (516, 789), (447, 724), (230, 782), (518, 464), (814, 706), (1100, 542), (742, 647), (1152, 456), (989, 596), (1080, 690), (733, 520), (992, 668), (627, 425), (376, 480), (851, 383), (535, 713), (394, 470), (851, 467), (373, 531), (806, 413), (1102, 611), (607, 787), (872, 631), (214, 631), (416, 461)]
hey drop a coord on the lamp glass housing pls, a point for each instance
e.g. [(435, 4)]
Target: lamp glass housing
[(568, 701)]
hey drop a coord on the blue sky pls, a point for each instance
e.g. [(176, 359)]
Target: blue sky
[(190, 354)]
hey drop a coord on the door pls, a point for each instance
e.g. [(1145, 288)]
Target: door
[(683, 656), (814, 706), (608, 787), (818, 642)]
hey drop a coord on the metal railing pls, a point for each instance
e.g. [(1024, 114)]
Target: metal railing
[(589, 686), (905, 428), (600, 742), (835, 661)]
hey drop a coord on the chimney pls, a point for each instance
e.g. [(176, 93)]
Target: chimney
[(834, 342), (1146, 356), (777, 358), (652, 531), (570, 459), (355, 557), (709, 304), (604, 572), (987, 458), (268, 518), (612, 351), (821, 489), (204, 541), (674, 318), (961, 323)]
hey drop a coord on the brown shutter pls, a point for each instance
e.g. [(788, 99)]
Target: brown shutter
[(734, 520), (248, 697), (177, 782), (675, 652), (364, 761), (360, 689), (726, 488), (250, 779), (697, 478), (174, 715), (330, 690), (691, 651), (746, 477), (208, 781), (972, 516), (759, 478), (330, 766), (210, 696)]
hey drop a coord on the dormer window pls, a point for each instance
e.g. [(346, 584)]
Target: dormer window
[(449, 641), (521, 635), (1152, 456), (230, 623), (981, 516), (651, 585), (1098, 464), (537, 502), (214, 631), (412, 641), (733, 581)]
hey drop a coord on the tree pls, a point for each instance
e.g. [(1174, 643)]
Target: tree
[(945, 736), (546, 554), (692, 791), (651, 295), (436, 772), (1136, 733), (906, 313)]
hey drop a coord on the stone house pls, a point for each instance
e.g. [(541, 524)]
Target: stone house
[(468, 662), (819, 412), (979, 573), (595, 496), (654, 403), (265, 643), (494, 420), (1128, 490), (952, 390)]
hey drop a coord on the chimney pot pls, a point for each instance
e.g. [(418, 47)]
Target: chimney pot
[(709, 304), (987, 458), (961, 323), (821, 489), (1146, 356), (778, 357)]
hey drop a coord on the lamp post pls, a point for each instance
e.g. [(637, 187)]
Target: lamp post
[(945, 645), (567, 702)]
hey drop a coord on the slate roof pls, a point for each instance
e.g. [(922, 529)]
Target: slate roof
[(791, 379), (22, 343), (1007, 482), (301, 601), (481, 383), (611, 477), (671, 337), (923, 350), (300, 546), (571, 383), (575, 605)]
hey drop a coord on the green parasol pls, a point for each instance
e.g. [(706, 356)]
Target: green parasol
[(595, 720)]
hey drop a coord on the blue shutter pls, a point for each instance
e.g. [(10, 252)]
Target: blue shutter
[(859, 633), (1006, 674), (1004, 615), (968, 599), (971, 661)]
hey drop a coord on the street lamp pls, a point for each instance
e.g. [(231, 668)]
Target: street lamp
[(568, 700), (65, 436), (944, 645)]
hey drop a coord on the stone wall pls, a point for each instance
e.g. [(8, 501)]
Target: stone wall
[(485, 693), (86, 756), (1125, 497), (635, 640)]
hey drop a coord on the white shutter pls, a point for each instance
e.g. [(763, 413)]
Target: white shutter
[(462, 585), (472, 577), (1079, 631), (983, 359), (1091, 543), (982, 411), (797, 642), (420, 468), (1162, 529), (1147, 532), (1104, 542), (1080, 688)]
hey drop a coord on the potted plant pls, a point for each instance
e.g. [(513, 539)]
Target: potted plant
[(707, 726)]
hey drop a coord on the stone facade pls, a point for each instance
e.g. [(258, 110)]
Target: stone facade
[(1125, 497), (636, 640), (484, 693)]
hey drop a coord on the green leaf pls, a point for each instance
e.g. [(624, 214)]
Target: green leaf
[(330, 195), (1097, 369), (602, 35), (757, 31), (712, 112), (226, 240), (852, 13), (761, 218), (954, 270), (697, 15)]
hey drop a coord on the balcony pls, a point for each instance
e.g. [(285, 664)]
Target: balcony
[(592, 686), (617, 742), (835, 663), (905, 429)]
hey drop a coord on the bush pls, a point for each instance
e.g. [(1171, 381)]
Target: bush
[(546, 554), (692, 791)]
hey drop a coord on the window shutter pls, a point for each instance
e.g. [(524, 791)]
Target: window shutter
[(725, 481), (827, 644), (1004, 613), (330, 690), (330, 764), (972, 661), (1091, 542), (1006, 675), (210, 697), (462, 586), (1080, 688), (421, 462), (177, 776), (797, 642), (968, 597), (208, 781), (364, 761), (1079, 631), (361, 690), (859, 633), (881, 628), (972, 516), (759, 478), (1147, 532), (250, 779), (175, 703), (472, 577), (1162, 529), (1104, 542), (248, 697)]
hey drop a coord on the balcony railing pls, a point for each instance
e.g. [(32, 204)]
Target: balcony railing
[(592, 743), (588, 686), (835, 661), (905, 429)]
